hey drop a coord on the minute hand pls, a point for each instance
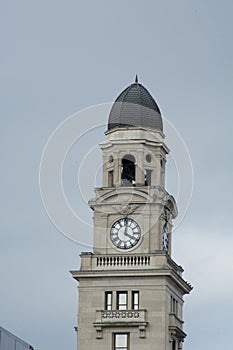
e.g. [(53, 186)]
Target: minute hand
[(126, 226)]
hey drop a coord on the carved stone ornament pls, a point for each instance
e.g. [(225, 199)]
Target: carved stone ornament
[(125, 209), (167, 215), (159, 194)]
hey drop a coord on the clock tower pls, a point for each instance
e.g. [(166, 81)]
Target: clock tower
[(130, 290)]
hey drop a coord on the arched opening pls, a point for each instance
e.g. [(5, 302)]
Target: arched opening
[(128, 170)]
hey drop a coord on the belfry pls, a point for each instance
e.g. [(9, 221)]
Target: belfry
[(130, 289)]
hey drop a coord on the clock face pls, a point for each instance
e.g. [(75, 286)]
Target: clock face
[(165, 237), (125, 233)]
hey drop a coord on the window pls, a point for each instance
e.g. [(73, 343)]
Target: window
[(121, 341), (108, 300), (110, 178), (174, 306), (173, 344), (122, 300), (135, 300), (148, 177), (148, 157)]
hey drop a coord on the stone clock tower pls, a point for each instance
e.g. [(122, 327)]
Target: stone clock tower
[(130, 289)]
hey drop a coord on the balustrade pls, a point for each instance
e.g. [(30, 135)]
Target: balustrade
[(119, 316), (110, 261)]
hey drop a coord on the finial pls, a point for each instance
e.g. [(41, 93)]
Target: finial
[(136, 79)]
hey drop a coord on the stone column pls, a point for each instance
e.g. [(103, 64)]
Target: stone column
[(117, 170), (139, 169)]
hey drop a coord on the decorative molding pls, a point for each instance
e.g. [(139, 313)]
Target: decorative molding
[(125, 208), (114, 317), (118, 314), (99, 333), (142, 331)]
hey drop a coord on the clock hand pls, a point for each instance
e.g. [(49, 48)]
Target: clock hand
[(126, 226), (127, 234), (125, 231)]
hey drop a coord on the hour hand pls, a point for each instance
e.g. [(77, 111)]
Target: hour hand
[(128, 235)]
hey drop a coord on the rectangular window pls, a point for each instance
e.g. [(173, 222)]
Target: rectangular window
[(174, 306), (135, 300), (108, 300), (173, 344), (121, 341), (110, 178), (122, 300)]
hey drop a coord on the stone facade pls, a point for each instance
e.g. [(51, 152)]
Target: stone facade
[(159, 282)]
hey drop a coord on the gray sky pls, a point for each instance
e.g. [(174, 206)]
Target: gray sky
[(58, 57)]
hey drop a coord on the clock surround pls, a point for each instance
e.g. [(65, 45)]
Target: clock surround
[(125, 233)]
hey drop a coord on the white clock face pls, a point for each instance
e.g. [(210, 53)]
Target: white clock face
[(125, 233)]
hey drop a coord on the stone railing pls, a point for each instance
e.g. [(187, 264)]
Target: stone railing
[(174, 321), (119, 316), (176, 328), (123, 261)]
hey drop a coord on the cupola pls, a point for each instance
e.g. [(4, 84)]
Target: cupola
[(135, 107)]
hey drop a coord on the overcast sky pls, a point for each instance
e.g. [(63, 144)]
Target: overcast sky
[(58, 57)]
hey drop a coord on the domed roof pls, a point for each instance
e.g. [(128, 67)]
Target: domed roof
[(135, 107)]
